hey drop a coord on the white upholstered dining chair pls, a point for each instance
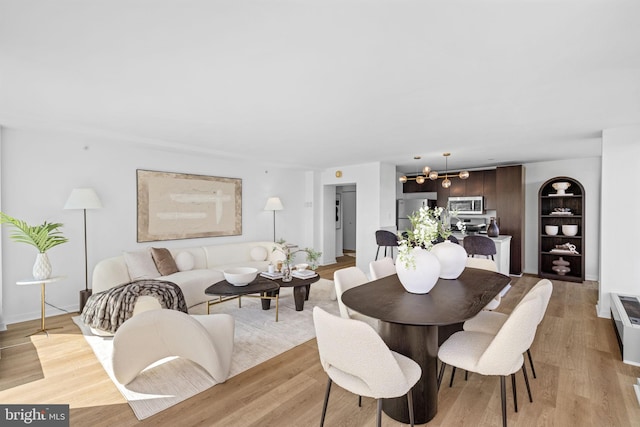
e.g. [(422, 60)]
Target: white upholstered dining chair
[(490, 322), (354, 357), (499, 354), (347, 278), (382, 268)]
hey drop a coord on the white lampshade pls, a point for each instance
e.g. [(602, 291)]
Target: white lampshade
[(83, 198), (273, 204)]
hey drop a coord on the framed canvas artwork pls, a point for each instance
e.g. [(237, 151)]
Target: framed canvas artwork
[(185, 206)]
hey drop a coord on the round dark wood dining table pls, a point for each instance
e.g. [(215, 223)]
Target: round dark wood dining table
[(409, 325)]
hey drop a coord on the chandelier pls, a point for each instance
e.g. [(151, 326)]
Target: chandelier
[(433, 175)]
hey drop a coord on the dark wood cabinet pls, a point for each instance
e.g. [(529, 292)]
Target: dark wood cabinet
[(474, 185), (412, 186), (489, 189), (556, 210), (510, 210)]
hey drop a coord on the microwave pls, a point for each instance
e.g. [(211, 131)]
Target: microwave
[(470, 205)]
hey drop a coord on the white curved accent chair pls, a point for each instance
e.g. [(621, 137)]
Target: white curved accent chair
[(354, 356), (490, 265), (347, 278), (382, 268), (490, 322), (153, 335), (500, 354)]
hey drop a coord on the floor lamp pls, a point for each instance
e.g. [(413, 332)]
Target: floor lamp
[(274, 204), (84, 198)]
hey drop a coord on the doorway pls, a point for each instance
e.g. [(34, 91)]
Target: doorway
[(346, 219)]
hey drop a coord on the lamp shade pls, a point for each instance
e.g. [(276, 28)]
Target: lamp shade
[(273, 204), (83, 198)]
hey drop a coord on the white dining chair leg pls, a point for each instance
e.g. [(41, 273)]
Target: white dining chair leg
[(526, 381), (410, 403), (513, 388), (533, 370), (326, 401), (503, 396)]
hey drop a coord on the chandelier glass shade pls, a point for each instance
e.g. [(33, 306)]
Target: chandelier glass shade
[(427, 172)]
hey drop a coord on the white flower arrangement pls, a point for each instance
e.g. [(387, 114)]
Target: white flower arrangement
[(428, 226)]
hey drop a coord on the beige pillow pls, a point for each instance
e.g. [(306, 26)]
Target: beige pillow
[(164, 261), (185, 261), (259, 253), (140, 265)]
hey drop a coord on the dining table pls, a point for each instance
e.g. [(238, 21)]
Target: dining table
[(410, 324)]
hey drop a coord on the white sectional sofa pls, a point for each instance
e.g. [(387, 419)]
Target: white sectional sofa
[(207, 264)]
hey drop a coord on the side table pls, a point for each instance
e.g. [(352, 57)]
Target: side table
[(42, 283)]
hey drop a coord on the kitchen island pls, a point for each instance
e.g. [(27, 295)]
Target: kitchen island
[(503, 250)]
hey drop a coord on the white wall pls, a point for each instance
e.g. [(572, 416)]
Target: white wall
[(619, 260), (3, 325), (39, 170), (376, 195), (587, 171)]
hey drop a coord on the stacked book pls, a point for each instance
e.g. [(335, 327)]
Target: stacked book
[(272, 276), (304, 274)]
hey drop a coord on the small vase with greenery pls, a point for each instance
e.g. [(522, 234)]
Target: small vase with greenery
[(43, 237), (312, 254)]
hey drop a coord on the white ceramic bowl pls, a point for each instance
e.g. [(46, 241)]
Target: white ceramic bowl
[(569, 230), (301, 267), (551, 230), (240, 276)]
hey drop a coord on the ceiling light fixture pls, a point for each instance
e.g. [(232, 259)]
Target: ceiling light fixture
[(433, 175)]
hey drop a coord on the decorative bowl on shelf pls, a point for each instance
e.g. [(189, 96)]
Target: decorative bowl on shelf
[(551, 230), (240, 276), (560, 187), (569, 229)]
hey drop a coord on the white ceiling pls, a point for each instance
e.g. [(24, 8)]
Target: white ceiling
[(320, 83)]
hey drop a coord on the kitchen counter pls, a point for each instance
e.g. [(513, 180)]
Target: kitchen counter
[(503, 250)]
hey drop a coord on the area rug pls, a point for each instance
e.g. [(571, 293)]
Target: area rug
[(258, 338)]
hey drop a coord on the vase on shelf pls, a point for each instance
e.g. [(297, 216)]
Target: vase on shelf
[(561, 266), (452, 258), (421, 277), (493, 230), (42, 267)]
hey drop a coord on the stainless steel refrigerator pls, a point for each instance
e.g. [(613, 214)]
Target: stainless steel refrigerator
[(406, 207)]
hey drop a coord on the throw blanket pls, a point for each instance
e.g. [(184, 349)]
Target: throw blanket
[(109, 309)]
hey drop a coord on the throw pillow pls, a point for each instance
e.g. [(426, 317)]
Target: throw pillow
[(164, 261), (259, 253), (185, 261), (140, 265)]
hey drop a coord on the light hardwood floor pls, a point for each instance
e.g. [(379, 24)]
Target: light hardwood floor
[(581, 380)]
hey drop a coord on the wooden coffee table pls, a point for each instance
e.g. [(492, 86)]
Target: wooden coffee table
[(301, 288), (225, 291)]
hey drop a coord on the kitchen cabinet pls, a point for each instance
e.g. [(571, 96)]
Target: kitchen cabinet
[(489, 189), (510, 211), (556, 210), (427, 186)]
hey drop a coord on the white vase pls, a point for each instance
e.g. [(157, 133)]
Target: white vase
[(42, 267), (452, 257), (422, 278)]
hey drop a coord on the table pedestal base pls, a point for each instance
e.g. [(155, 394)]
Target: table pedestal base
[(420, 343)]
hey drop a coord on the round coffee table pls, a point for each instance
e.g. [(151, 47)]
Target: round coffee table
[(225, 291), (301, 288)]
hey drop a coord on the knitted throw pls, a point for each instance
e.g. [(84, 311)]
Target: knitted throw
[(109, 309)]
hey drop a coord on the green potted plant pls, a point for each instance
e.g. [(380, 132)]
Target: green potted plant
[(43, 237)]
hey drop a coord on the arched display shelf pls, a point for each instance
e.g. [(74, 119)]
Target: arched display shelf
[(558, 208)]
